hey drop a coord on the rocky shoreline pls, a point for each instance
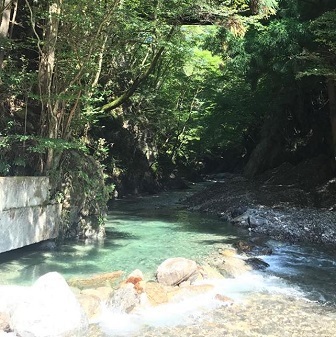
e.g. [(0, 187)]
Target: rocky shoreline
[(54, 307), (273, 205)]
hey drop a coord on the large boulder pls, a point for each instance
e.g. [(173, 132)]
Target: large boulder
[(176, 270), (50, 310)]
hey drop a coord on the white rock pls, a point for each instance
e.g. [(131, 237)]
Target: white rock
[(10, 296), (50, 310)]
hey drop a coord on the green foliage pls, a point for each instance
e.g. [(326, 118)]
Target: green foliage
[(17, 152), (321, 58), (184, 91), (259, 86)]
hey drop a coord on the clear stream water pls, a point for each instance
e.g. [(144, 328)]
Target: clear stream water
[(296, 293), (140, 234)]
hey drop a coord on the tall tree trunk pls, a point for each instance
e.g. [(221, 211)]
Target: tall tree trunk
[(331, 84), (4, 27), (15, 5), (50, 104)]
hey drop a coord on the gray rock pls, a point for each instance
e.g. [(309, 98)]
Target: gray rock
[(238, 211), (124, 299), (10, 296), (256, 221), (176, 270), (256, 263)]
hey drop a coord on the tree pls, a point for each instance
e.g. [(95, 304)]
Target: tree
[(69, 65), (322, 61)]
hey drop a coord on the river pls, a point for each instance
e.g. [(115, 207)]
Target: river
[(295, 296)]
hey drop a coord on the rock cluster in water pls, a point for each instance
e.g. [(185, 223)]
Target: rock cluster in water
[(52, 307)]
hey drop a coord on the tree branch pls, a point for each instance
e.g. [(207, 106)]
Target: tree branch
[(140, 79)]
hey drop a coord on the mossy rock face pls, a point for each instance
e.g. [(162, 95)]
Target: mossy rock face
[(80, 184)]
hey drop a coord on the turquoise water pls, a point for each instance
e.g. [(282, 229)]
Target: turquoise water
[(140, 234), (143, 232)]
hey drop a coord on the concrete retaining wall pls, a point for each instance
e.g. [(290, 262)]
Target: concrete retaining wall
[(26, 214)]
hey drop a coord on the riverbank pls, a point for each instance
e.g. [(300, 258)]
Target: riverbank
[(288, 203)]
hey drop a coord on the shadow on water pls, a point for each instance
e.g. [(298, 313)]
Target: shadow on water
[(183, 220), (73, 257)]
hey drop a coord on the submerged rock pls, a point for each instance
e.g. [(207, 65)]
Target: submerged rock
[(99, 280), (50, 310), (238, 211), (253, 247), (256, 263), (256, 221), (176, 270)]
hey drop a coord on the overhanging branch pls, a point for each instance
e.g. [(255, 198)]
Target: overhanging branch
[(140, 79)]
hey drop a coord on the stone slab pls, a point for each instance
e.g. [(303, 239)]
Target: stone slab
[(16, 192), (20, 227)]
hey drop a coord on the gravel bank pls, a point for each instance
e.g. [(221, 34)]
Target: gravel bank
[(277, 205)]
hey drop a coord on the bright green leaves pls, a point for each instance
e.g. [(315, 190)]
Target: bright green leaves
[(202, 62)]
